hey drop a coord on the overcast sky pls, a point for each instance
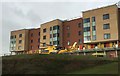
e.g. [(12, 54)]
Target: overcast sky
[(19, 14)]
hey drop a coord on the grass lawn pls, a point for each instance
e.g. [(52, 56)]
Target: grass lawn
[(111, 68), (57, 64)]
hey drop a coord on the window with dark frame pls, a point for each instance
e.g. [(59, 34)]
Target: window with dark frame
[(20, 41), (79, 25), (15, 36), (20, 35), (93, 28), (86, 29), (79, 33), (93, 19), (50, 35), (44, 30), (31, 34), (50, 28), (44, 44), (80, 41), (39, 40), (106, 16), (11, 37), (54, 35), (19, 47), (38, 46), (54, 42), (39, 33), (86, 20), (107, 36), (106, 26), (68, 34), (50, 43), (56, 27), (44, 37), (31, 41), (31, 47)]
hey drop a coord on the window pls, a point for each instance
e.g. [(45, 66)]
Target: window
[(20, 41), (86, 20), (107, 36), (87, 38), (50, 43), (106, 26), (56, 27), (44, 44), (11, 37), (12, 48), (50, 28), (93, 19), (105, 16), (19, 47), (80, 41), (15, 36), (38, 46), (50, 35), (31, 34), (31, 47), (94, 37), (93, 32), (68, 42), (68, 34), (86, 29), (44, 37), (54, 42), (31, 41), (93, 28), (68, 27), (39, 40), (15, 42), (12, 42), (54, 35), (79, 33), (39, 33), (79, 25), (20, 35), (44, 30)]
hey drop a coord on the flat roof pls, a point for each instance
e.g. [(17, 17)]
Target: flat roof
[(51, 21), (100, 8), (19, 30), (72, 19)]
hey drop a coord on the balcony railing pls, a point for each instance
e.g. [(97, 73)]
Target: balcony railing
[(98, 49)]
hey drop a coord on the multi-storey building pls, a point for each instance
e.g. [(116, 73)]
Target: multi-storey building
[(34, 40), (51, 33), (19, 41), (101, 27), (72, 32)]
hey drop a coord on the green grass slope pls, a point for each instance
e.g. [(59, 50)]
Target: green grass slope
[(111, 68), (50, 64)]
